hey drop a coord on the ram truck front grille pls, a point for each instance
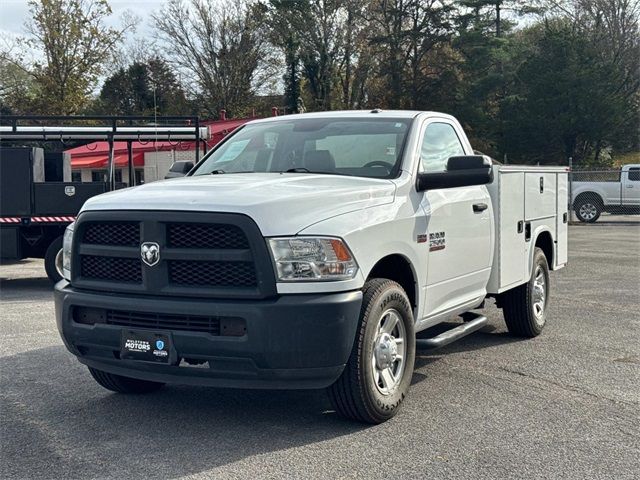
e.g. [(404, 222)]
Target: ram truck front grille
[(197, 235), (111, 269), (126, 234), (227, 274), (199, 254)]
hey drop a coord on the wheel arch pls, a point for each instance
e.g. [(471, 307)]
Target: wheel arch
[(398, 268), (544, 241), (590, 195)]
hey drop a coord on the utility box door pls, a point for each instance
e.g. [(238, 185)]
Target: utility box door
[(509, 257), (540, 195), (511, 247), (562, 221)]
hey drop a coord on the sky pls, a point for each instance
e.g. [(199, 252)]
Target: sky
[(14, 13)]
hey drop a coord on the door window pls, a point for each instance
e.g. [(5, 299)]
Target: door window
[(439, 143), (634, 174)]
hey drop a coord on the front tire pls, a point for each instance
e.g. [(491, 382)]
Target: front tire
[(53, 260), (525, 307), (120, 384), (378, 374)]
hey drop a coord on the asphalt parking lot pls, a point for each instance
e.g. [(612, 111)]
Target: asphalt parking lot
[(563, 405)]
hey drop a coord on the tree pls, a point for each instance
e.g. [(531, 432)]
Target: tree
[(566, 104), (221, 46), (147, 88), (286, 19), (612, 28), (322, 41), (72, 45), (404, 34), (18, 91)]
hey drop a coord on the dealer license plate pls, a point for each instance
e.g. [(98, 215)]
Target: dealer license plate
[(145, 345)]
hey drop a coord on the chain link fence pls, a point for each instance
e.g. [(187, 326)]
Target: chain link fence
[(605, 195)]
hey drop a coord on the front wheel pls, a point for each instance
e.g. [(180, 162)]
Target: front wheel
[(378, 374), (525, 307), (53, 260)]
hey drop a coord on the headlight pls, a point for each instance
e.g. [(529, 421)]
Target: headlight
[(66, 252), (312, 259)]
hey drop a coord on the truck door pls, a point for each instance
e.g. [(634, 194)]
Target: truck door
[(459, 227), (631, 187)]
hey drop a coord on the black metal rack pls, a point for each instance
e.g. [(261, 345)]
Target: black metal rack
[(105, 128)]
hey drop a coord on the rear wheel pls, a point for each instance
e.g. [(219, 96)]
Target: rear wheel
[(525, 307), (588, 210), (378, 374), (120, 384), (53, 260)]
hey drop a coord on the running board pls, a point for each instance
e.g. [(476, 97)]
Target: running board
[(450, 336)]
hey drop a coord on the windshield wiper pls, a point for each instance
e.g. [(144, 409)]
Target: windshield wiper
[(217, 172), (297, 170)]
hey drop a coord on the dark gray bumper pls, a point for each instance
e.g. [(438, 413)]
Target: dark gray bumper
[(292, 341)]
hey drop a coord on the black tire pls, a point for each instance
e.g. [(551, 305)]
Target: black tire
[(519, 304), (355, 394), (588, 208), (120, 384), (50, 255)]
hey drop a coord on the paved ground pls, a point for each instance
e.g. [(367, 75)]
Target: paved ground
[(564, 405)]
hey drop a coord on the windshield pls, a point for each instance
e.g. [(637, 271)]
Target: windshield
[(365, 147)]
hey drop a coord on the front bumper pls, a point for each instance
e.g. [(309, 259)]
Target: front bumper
[(292, 341)]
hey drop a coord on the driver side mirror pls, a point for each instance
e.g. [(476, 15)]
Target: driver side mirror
[(462, 171)]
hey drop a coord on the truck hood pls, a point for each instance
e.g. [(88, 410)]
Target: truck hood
[(281, 204)]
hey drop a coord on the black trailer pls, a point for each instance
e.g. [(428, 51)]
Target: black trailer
[(36, 204)]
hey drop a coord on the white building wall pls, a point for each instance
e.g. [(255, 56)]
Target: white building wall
[(186, 155), (156, 165)]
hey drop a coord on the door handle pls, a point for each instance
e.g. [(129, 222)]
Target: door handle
[(629, 186), (479, 207)]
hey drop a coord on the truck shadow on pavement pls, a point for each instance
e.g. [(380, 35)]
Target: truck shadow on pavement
[(26, 289), (55, 415), (487, 337)]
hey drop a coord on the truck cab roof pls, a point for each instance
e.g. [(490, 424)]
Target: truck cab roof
[(408, 114)]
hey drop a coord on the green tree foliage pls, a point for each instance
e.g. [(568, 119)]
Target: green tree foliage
[(286, 19), (149, 88), (18, 90), (408, 38), (577, 86)]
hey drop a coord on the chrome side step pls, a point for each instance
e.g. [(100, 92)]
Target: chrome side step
[(445, 338)]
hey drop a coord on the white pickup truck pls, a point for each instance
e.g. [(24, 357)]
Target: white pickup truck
[(306, 251), (592, 193)]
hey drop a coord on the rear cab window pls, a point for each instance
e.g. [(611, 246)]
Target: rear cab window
[(634, 174)]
